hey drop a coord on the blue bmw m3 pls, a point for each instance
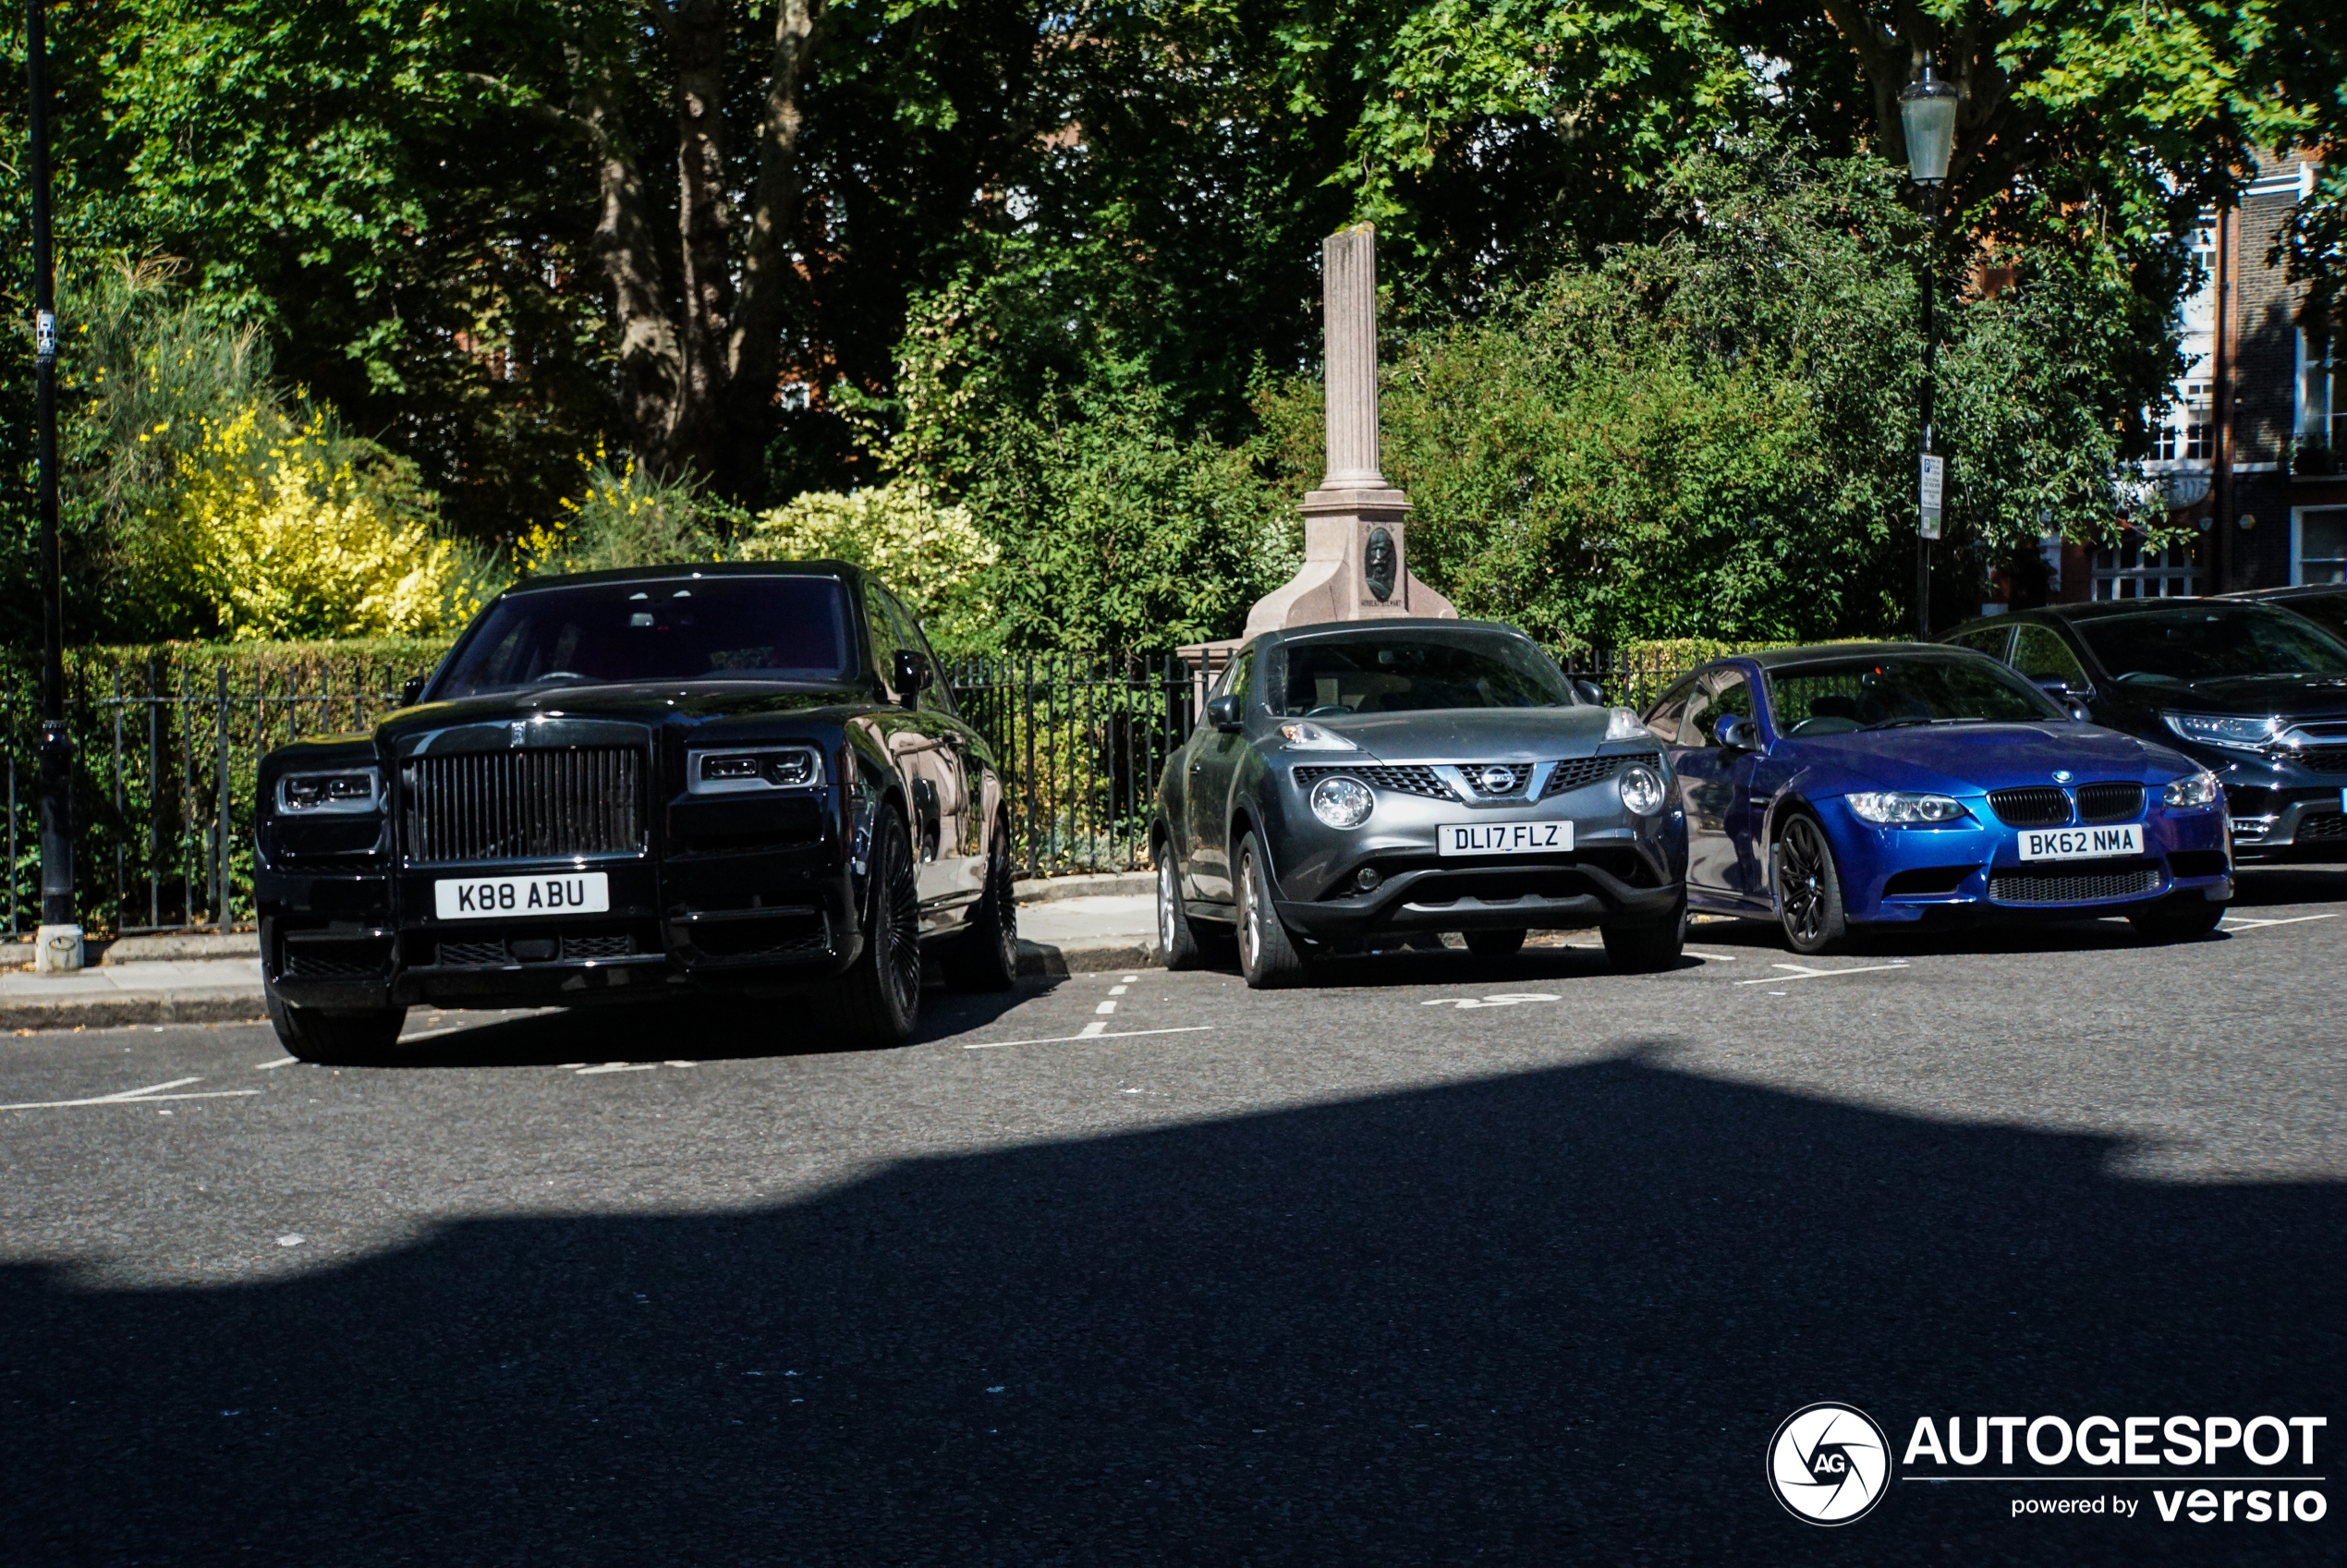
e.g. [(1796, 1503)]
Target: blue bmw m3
[(1863, 783)]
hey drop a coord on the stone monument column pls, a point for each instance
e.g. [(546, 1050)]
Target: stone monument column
[(1357, 564)]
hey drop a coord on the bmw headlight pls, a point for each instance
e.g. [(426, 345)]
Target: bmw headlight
[(1900, 807), (2194, 789), (2224, 729), (1641, 789), (1303, 737), (1620, 724), (1341, 802), (349, 791)]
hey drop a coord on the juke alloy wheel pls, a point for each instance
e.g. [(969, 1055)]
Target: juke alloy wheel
[(1177, 944), (1267, 955)]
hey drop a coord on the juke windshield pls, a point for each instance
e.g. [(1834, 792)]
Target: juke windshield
[(2204, 642), (713, 628), (1412, 671), (1881, 693)]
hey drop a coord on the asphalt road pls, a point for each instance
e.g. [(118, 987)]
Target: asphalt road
[(1440, 1261)]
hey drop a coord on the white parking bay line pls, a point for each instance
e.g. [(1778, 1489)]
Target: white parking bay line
[(281, 1061), (134, 1096), (619, 1067), (2292, 920), (1105, 1008), (1799, 973), (1088, 1034)]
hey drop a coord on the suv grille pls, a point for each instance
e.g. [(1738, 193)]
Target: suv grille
[(522, 805), (2110, 802), (2323, 759), (1402, 781), (2071, 887), (567, 946), (2330, 826), (2039, 806), (1583, 771)]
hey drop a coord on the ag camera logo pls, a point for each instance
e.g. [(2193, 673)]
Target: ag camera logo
[(1829, 1463)]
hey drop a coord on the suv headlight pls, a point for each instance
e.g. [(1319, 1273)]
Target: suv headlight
[(1303, 737), (2224, 729), (348, 791), (1897, 807), (1641, 789), (2194, 789), (1341, 802), (760, 768)]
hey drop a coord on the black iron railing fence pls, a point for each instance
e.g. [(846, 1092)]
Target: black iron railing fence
[(165, 756)]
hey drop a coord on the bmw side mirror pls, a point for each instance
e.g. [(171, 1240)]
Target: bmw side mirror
[(411, 691), (1735, 733), (913, 675), (1587, 692), (1223, 712)]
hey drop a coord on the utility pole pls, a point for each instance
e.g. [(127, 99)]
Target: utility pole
[(57, 946), (1928, 116)]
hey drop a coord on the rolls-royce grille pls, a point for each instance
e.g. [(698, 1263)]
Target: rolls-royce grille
[(2040, 806), (1407, 780), (2071, 887), (568, 947), (1582, 770), (522, 805), (2110, 802)]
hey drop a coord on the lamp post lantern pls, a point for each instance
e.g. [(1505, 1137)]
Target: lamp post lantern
[(1928, 116), (57, 944)]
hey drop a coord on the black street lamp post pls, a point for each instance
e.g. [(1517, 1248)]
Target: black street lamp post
[(1927, 116), (57, 946)]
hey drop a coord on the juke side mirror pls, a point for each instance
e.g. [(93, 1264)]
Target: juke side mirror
[(1223, 712)]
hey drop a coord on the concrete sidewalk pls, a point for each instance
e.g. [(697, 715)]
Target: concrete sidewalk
[(1067, 925)]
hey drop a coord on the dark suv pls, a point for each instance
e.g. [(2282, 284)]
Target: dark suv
[(2256, 694)]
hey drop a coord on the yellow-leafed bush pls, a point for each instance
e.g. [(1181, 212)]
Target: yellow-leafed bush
[(930, 555), (287, 539)]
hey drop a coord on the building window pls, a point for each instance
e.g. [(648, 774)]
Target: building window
[(2318, 545), (2189, 430), (2132, 572), (2322, 407)]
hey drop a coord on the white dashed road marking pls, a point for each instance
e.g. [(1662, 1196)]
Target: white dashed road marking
[(281, 1061), (1509, 999), (1105, 1008), (1800, 973), (1091, 1031), (2292, 920), (135, 1097)]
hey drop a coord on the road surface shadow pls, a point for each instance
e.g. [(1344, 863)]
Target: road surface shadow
[(1548, 1318)]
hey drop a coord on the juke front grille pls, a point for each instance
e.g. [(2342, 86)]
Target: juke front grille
[(1583, 771), (1408, 780), (1418, 779), (545, 805)]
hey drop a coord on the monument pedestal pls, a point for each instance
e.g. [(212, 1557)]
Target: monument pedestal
[(1356, 565)]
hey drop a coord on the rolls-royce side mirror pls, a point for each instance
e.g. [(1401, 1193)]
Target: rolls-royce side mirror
[(913, 675), (1736, 733), (1223, 712), (411, 691), (1587, 692)]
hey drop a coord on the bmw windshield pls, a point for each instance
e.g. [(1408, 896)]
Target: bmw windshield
[(1413, 672), (1881, 692), (2185, 643), (713, 628)]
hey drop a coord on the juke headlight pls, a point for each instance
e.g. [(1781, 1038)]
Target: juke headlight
[(1903, 808), (345, 791), (2194, 789), (1341, 802), (1641, 789)]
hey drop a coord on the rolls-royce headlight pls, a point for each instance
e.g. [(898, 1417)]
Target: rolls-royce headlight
[(1641, 789), (1900, 807), (349, 791), (1341, 802), (728, 772), (2194, 789)]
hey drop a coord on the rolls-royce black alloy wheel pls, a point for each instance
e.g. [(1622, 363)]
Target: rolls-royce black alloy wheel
[(987, 959), (879, 999)]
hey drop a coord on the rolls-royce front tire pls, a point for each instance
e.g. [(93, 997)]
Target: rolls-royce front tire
[(987, 958), (1496, 944), (1267, 955), (879, 997), (336, 1039)]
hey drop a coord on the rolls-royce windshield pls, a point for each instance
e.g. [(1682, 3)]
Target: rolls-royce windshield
[(728, 628)]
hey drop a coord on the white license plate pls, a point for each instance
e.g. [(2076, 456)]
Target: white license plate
[(1506, 838), (487, 899), (2080, 844)]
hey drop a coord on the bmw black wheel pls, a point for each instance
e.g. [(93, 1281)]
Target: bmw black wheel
[(879, 999), (1808, 889)]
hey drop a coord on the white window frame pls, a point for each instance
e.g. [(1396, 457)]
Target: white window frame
[(2298, 540)]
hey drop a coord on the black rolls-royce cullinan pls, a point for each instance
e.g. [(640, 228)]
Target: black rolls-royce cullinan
[(637, 784)]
